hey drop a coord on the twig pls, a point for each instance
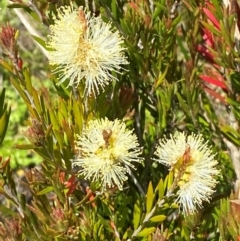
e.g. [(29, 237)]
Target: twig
[(150, 215)]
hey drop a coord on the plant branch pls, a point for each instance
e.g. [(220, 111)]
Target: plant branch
[(153, 211)]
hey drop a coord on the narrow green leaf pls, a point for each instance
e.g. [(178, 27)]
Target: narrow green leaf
[(63, 107), (127, 234), (232, 134), (217, 10), (68, 132), (126, 28), (49, 129), (17, 5), (114, 8), (53, 118), (27, 78), (210, 113), (170, 179), (188, 5), (41, 152), (175, 22), (174, 206), (43, 107), (95, 230), (59, 136), (145, 232), (165, 182), (6, 65), (32, 110), (25, 146), (136, 214), (229, 101), (225, 34), (58, 191), (158, 218), (149, 201), (159, 9), (36, 101), (161, 78), (3, 126), (161, 189), (2, 97), (61, 118), (20, 90), (78, 114), (163, 109), (183, 104), (211, 28), (7, 211), (46, 190), (40, 41), (203, 121)]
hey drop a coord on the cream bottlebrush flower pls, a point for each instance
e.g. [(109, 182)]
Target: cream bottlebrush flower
[(85, 49), (194, 168), (106, 152)]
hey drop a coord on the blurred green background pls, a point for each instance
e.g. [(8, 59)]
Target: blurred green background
[(35, 60)]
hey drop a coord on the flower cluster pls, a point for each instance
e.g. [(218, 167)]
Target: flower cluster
[(194, 168), (84, 48), (106, 152)]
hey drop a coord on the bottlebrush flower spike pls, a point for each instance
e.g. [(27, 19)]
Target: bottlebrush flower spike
[(194, 166), (84, 49), (107, 151)]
